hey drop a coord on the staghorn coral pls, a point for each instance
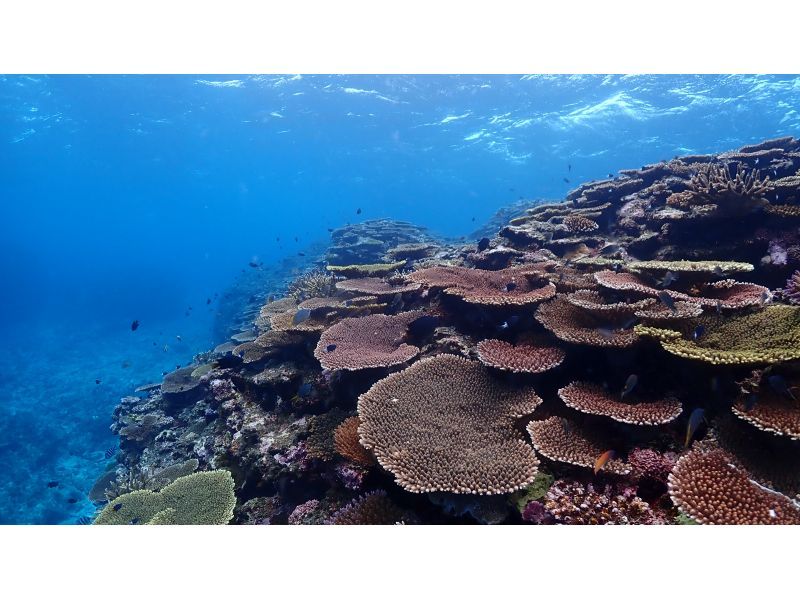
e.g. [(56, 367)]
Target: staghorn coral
[(714, 186), (577, 504), (731, 340), (560, 440), (346, 441), (373, 508), (711, 487), (526, 357), (578, 326), (311, 284), (592, 399), (204, 498), (368, 342), (444, 424)]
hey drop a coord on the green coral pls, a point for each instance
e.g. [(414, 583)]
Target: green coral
[(204, 498), (768, 336), (535, 491), (364, 270), (708, 266), (683, 519)]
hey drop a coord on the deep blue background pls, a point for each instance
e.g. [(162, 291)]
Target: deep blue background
[(138, 196)]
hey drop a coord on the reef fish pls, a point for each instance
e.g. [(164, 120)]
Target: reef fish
[(779, 385), (358, 211), (53, 484), (602, 460), (83, 520), (97, 381), (117, 507), (698, 332), (134, 325), (630, 384), (483, 244), (695, 419), (511, 286), (110, 452), (301, 316), (566, 180), (664, 297), (72, 500), (331, 347)]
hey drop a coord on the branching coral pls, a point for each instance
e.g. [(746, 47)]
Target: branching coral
[(526, 357), (791, 292), (445, 424), (576, 504), (204, 498), (373, 508), (728, 194), (346, 441), (311, 284)]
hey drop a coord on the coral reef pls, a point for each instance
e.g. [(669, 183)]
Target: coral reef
[(395, 382)]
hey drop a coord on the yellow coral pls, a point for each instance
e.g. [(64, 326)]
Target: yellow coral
[(768, 336), (204, 498), (362, 270), (710, 266)]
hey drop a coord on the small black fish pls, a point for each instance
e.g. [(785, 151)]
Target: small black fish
[(72, 500), (53, 484), (765, 297), (718, 271), (358, 211), (330, 230), (208, 301), (301, 254), (97, 381), (473, 218), (630, 384), (569, 167), (134, 325), (134, 521), (698, 332), (610, 249), (719, 307), (483, 244), (664, 297), (511, 286), (611, 176), (253, 264), (301, 316), (295, 239), (117, 507), (566, 180), (750, 401), (330, 348), (83, 520)]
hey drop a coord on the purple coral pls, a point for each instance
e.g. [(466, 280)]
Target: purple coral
[(791, 292), (535, 513), (303, 512), (351, 476), (648, 463)]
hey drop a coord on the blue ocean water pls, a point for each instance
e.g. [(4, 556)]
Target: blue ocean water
[(144, 197)]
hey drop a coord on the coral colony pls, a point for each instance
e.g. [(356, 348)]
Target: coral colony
[(630, 355)]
